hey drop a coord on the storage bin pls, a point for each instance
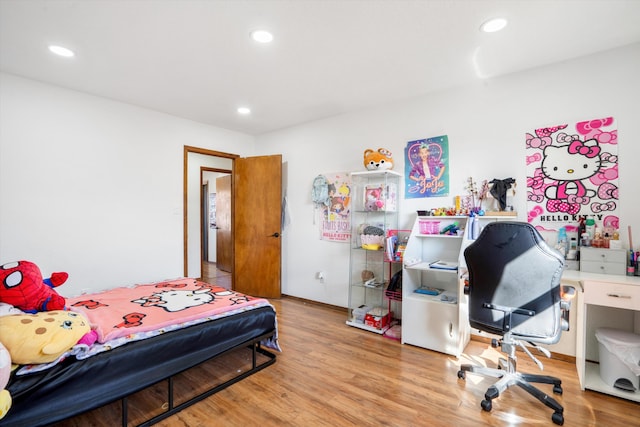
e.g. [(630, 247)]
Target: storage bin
[(378, 317), (428, 226), (360, 312), (617, 349)]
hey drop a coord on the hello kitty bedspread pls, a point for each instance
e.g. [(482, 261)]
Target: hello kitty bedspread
[(122, 312)]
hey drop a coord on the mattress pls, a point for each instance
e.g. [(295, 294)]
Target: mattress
[(76, 386)]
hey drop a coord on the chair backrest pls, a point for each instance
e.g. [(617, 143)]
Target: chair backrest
[(514, 283)]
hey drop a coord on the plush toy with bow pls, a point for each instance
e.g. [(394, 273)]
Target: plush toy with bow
[(378, 160), (44, 337), (22, 286)]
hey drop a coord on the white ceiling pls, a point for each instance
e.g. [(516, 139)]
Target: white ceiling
[(194, 59)]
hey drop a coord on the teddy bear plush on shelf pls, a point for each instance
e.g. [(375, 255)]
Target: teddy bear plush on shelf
[(22, 286), (378, 160)]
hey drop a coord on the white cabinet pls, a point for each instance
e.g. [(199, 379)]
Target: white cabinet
[(606, 261), (374, 212), (438, 322), (606, 301)]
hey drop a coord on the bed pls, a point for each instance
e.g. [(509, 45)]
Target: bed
[(136, 353)]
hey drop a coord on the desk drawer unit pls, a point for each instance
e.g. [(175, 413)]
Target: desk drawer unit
[(612, 295), (606, 261)]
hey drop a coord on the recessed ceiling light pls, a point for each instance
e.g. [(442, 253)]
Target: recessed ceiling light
[(62, 51), (244, 111), (493, 25), (262, 36)]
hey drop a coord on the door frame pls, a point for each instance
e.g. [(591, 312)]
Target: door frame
[(185, 198), (203, 221)]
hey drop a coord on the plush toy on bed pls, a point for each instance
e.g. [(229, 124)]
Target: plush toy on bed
[(5, 373), (22, 286), (378, 160), (45, 336)]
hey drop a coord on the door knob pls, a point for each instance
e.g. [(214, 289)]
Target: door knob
[(276, 234)]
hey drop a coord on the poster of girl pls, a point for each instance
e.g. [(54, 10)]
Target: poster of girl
[(426, 167)]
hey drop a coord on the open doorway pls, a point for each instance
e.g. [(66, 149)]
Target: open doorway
[(199, 162), (216, 227), (256, 219)]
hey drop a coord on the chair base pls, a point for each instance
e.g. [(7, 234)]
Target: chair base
[(508, 379)]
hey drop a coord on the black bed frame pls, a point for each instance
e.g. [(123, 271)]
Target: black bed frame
[(116, 375), (255, 347)]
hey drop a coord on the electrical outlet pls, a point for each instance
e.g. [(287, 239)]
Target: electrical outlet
[(320, 276)]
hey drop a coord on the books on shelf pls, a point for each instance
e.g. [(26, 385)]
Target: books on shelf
[(427, 290), (396, 244), (392, 244), (444, 265)]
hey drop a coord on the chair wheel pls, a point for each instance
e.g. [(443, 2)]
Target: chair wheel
[(557, 418), (461, 374), (557, 389), (486, 405)]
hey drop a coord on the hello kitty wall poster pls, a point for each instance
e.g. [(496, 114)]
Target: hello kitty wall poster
[(427, 168), (572, 172)]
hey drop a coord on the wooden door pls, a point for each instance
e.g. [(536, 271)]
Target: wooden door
[(224, 237), (257, 190)]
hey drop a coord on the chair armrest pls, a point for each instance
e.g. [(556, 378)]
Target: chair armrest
[(567, 293)]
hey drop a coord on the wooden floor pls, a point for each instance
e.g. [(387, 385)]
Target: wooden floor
[(330, 374), (211, 274)]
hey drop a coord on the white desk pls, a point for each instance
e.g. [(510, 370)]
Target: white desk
[(603, 300)]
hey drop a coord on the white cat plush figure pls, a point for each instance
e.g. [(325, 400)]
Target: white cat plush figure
[(568, 166)]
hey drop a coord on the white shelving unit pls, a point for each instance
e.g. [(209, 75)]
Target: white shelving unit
[(437, 322), (382, 214)]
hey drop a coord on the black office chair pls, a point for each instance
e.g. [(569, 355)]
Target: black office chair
[(514, 291)]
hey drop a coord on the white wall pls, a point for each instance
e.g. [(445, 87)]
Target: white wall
[(94, 187), (486, 125)]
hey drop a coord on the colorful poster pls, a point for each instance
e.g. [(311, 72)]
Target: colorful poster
[(572, 172), (427, 168), (335, 224)]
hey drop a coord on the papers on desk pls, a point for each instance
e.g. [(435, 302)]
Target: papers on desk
[(443, 265)]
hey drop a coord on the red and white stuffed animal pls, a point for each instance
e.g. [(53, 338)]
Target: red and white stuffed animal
[(22, 286)]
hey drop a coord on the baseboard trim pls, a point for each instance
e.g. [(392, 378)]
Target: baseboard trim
[(486, 340), (317, 303)]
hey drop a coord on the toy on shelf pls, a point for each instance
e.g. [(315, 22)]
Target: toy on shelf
[(373, 199), (372, 237), (22, 286), (451, 229), (378, 160)]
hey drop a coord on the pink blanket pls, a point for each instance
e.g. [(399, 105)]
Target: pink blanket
[(123, 311)]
